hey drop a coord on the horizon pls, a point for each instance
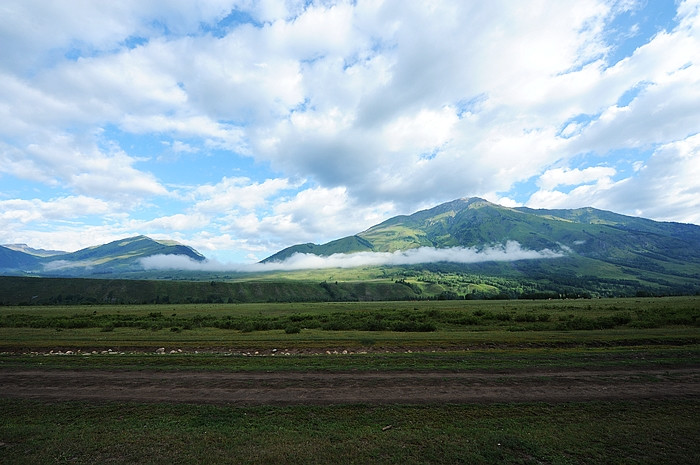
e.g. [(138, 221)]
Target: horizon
[(241, 129)]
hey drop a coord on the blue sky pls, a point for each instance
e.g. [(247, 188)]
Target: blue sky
[(241, 127)]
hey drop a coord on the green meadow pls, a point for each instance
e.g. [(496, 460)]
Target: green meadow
[(586, 334)]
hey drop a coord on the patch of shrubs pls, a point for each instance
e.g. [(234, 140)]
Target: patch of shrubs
[(292, 329)]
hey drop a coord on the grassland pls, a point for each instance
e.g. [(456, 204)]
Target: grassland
[(638, 337), (590, 433)]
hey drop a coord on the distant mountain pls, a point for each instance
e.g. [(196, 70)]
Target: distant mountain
[(116, 257), (13, 260), (594, 243), (36, 252)]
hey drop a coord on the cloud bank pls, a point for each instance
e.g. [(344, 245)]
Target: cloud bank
[(508, 252)]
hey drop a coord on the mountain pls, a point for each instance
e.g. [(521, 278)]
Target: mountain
[(574, 252), (593, 244), (16, 261), (119, 256), (36, 252), (475, 222)]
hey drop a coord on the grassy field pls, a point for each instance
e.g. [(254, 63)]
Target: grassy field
[(358, 323), (458, 336), (576, 433)]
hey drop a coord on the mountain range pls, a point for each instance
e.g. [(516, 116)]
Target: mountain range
[(585, 232), (585, 247), (595, 248), (116, 257)]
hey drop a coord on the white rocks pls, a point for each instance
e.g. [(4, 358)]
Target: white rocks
[(160, 350)]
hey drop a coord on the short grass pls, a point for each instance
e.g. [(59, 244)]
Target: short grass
[(574, 433)]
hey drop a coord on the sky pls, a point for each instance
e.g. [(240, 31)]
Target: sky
[(241, 127)]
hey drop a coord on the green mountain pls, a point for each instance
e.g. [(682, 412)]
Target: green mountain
[(579, 252), (594, 245), (115, 257)]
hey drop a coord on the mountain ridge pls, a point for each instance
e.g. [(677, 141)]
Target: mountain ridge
[(475, 222), (576, 250), (117, 256), (596, 245)]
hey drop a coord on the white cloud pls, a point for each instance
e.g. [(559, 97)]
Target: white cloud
[(511, 251), (233, 193), (65, 208), (178, 222), (666, 187), (553, 178), (80, 165), (43, 31)]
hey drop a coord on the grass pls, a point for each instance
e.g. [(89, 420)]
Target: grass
[(467, 335), (591, 433), (442, 316), (455, 326)]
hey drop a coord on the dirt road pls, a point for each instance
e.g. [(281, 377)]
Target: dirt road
[(324, 388)]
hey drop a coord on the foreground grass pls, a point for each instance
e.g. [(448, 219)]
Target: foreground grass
[(507, 335), (590, 433)]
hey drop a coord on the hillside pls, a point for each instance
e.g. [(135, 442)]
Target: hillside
[(115, 257), (595, 245), (20, 290)]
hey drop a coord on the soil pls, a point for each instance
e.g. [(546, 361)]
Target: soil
[(326, 388)]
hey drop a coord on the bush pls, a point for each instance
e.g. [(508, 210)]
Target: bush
[(292, 329)]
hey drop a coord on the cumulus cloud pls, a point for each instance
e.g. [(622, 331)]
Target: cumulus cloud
[(64, 208), (511, 251), (566, 177), (664, 187)]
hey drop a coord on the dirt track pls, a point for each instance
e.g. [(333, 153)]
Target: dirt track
[(323, 388)]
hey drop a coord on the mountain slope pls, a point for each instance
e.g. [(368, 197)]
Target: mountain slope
[(15, 261), (118, 256), (595, 243)]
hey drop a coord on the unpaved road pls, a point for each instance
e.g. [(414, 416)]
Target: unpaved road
[(325, 388)]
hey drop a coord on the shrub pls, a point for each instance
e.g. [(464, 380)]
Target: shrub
[(292, 329)]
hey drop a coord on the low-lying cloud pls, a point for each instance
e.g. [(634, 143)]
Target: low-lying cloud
[(511, 251), (60, 265)]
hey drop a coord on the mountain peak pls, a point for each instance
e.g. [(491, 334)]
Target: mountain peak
[(591, 241)]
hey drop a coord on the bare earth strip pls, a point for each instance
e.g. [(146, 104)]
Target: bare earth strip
[(323, 388)]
